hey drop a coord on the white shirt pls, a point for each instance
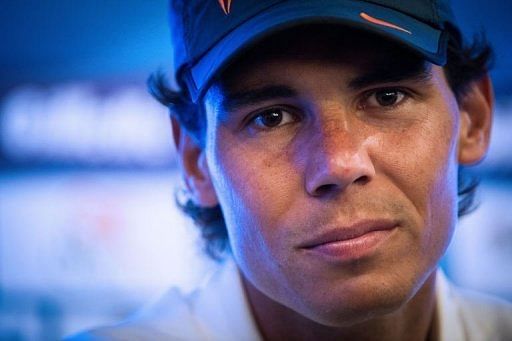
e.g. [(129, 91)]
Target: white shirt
[(219, 310)]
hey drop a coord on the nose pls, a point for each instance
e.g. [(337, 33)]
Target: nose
[(337, 159)]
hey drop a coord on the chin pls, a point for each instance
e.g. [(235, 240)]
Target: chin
[(351, 313), (360, 301)]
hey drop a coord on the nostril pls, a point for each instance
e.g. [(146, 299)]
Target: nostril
[(331, 188), (325, 189), (362, 180)]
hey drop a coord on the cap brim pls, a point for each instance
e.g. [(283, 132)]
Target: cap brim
[(417, 35)]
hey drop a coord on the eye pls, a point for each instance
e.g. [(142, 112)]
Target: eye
[(272, 118), (385, 98)]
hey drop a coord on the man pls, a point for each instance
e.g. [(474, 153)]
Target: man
[(321, 144)]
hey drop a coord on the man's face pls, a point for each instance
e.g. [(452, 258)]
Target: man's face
[(334, 159)]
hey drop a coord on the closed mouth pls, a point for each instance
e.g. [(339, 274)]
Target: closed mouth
[(347, 233)]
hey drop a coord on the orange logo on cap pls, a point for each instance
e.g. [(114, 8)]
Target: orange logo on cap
[(225, 5), (382, 22)]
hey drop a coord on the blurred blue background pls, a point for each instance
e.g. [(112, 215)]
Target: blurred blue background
[(88, 226)]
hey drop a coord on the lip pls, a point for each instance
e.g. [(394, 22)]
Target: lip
[(346, 243)]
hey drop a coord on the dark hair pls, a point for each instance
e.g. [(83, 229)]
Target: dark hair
[(466, 63)]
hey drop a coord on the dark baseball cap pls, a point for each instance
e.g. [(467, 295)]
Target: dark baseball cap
[(208, 34)]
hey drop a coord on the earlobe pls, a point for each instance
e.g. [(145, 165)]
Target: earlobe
[(192, 160), (476, 109)]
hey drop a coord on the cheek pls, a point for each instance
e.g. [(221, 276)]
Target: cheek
[(256, 188), (423, 166)]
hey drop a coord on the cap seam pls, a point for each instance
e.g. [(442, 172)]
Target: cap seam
[(435, 7), (184, 19)]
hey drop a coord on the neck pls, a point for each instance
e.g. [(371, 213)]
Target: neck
[(415, 320)]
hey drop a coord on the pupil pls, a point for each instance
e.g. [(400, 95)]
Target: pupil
[(386, 98), (272, 118)]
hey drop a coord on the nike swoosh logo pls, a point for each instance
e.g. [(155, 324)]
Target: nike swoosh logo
[(382, 22), (225, 5)]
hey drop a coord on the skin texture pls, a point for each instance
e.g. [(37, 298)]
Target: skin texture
[(338, 157)]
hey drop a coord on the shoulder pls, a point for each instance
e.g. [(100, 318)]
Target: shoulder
[(485, 315), (215, 310), (473, 315)]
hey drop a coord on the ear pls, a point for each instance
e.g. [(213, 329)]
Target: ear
[(194, 167), (476, 109)]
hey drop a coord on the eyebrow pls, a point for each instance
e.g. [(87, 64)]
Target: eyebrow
[(417, 72), (394, 72), (232, 101)]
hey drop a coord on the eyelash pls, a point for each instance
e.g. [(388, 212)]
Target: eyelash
[(252, 120), (406, 94)]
